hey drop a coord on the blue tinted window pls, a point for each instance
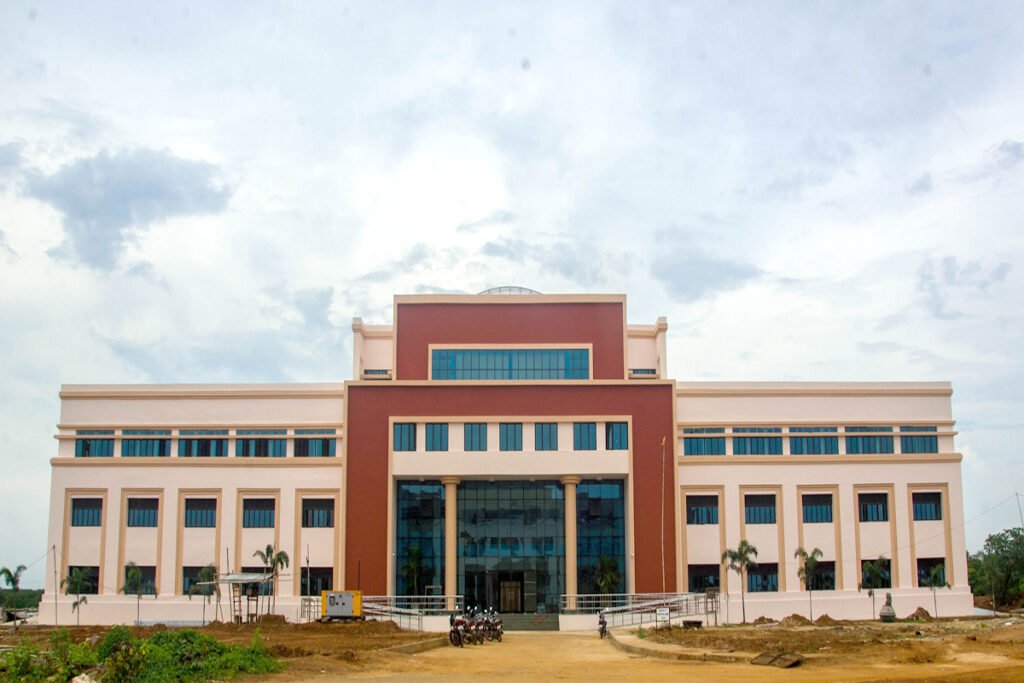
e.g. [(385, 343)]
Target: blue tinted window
[(419, 518), (601, 532), (545, 436), (315, 448), (145, 448), (318, 513), (702, 577), (927, 506), (261, 448), (616, 435), (874, 507), (757, 445), (94, 448), (510, 436), (437, 436), (405, 436), (92, 578), (886, 567), (924, 569), (316, 579), (869, 429), (475, 436), (258, 513), (147, 580), (200, 513), (764, 578), (86, 511), (702, 509), (756, 430), (202, 448), (814, 445), (143, 512), (824, 578), (704, 445), (919, 444), (817, 508), (510, 364), (868, 444), (759, 509), (584, 436), (811, 430)]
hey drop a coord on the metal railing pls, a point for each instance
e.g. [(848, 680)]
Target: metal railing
[(411, 620), (624, 609), (424, 604)]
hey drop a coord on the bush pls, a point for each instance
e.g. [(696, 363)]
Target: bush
[(112, 641)]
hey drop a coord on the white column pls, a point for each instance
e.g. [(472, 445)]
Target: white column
[(570, 482), (451, 565)]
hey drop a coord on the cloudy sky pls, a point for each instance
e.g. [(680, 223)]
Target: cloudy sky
[(190, 192)]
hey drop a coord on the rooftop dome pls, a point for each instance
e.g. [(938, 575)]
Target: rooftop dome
[(508, 289)]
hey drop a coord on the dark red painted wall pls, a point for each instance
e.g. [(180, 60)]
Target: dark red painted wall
[(600, 324), (367, 433)]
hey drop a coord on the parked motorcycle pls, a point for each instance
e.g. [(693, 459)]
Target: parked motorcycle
[(494, 625), (457, 629)]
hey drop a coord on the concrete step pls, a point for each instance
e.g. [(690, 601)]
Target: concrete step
[(529, 622)]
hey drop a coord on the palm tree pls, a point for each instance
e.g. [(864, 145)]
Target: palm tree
[(741, 561), (134, 585), (13, 581), (873, 577), (607, 575), (205, 585), (936, 579), (77, 582), (412, 570), (273, 561), (807, 571)]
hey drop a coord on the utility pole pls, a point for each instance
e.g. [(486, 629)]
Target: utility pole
[(1019, 511)]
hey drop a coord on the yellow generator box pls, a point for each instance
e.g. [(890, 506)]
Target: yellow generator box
[(341, 604)]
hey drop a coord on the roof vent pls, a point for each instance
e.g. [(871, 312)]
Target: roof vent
[(507, 289)]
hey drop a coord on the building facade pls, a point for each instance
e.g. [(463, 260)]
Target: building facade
[(511, 448)]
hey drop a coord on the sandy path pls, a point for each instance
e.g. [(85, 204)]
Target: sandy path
[(574, 656)]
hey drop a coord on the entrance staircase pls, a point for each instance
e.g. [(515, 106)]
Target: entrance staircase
[(529, 622)]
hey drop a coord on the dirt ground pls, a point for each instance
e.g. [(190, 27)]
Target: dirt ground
[(967, 650)]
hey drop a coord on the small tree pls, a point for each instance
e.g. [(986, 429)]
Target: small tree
[(807, 572), (273, 561), (412, 570), (873, 577), (936, 579), (741, 560), (607, 575), (134, 585), (206, 585), (13, 581), (76, 583)]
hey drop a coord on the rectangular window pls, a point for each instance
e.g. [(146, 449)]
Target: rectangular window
[(200, 513), (258, 513), (475, 436), (90, 584), (94, 448), (261, 448), (190, 577), (760, 508), (202, 448), (814, 445), (918, 443), (405, 436), (316, 579), (817, 508), (437, 436), (318, 513), (764, 578), (704, 445), (315, 448), (703, 577), (545, 435), (927, 506), (886, 581), (874, 507), (868, 444), (702, 509), (143, 512), (616, 436), (584, 436), (757, 445), (147, 580), (925, 565), (510, 436), (86, 511), (145, 448), (824, 576), (262, 587), (509, 364)]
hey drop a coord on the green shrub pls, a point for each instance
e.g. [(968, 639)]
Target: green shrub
[(112, 640), (19, 664)]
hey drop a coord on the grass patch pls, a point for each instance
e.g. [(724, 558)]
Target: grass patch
[(167, 657)]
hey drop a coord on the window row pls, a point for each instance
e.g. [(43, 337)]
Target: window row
[(250, 447), (313, 580), (201, 513), (510, 436), (509, 364), (812, 440), (817, 508), (764, 578)]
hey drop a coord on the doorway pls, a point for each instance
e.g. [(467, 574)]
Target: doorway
[(511, 596)]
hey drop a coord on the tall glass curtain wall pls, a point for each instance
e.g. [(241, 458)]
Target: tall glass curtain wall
[(419, 539), (600, 537), (509, 364), (511, 545)]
